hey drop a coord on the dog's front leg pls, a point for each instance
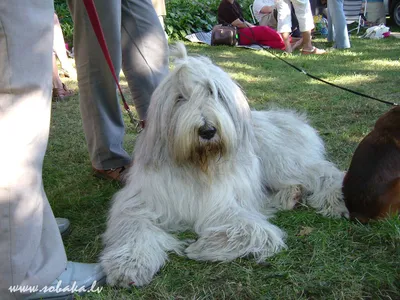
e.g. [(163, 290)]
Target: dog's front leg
[(286, 198), (239, 234), (324, 188), (135, 247)]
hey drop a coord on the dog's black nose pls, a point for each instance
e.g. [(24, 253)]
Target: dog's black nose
[(207, 132)]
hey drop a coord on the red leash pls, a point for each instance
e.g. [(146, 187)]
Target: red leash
[(94, 20)]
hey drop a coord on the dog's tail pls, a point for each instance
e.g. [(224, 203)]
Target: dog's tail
[(179, 51)]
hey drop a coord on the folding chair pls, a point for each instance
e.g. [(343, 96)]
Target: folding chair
[(252, 14), (353, 13)]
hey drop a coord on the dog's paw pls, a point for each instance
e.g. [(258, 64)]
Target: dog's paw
[(128, 274), (204, 248), (260, 241), (335, 209), (287, 198), (341, 211), (129, 271), (207, 248), (295, 199)]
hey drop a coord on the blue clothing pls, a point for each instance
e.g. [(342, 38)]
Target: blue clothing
[(337, 27)]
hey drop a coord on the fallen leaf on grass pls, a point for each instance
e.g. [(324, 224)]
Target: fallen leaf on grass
[(305, 231)]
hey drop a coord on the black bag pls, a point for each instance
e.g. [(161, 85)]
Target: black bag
[(224, 35)]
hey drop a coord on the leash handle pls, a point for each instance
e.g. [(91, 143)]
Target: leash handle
[(94, 20)]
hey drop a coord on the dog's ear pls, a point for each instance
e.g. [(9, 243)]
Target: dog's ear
[(178, 51)]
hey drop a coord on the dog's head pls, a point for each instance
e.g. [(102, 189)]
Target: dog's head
[(198, 113)]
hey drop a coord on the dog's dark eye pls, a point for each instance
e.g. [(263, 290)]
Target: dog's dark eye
[(180, 98)]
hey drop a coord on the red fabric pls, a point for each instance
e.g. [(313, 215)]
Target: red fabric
[(262, 35)]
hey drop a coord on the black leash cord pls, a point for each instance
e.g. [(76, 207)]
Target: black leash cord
[(329, 83)]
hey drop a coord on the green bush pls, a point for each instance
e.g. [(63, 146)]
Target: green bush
[(61, 8), (183, 17)]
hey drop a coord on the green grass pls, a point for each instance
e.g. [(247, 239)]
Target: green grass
[(330, 259)]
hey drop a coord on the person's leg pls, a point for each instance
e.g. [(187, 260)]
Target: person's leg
[(57, 83), (60, 90), (337, 20), (99, 104), (307, 44), (331, 31), (296, 36), (161, 19), (284, 22), (60, 50), (31, 249), (304, 16), (306, 24), (262, 35), (144, 51), (295, 23)]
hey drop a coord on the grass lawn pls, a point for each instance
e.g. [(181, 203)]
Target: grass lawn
[(326, 258)]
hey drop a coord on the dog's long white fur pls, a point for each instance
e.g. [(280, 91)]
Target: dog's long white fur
[(225, 188)]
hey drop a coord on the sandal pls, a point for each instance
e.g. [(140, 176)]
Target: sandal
[(313, 50), (60, 94)]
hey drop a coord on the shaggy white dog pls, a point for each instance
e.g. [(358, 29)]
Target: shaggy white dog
[(206, 162)]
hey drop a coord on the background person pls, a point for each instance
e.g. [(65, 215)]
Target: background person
[(159, 6), (266, 14), (59, 49), (60, 90), (337, 26), (230, 13), (306, 24)]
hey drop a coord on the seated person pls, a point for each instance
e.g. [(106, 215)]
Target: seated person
[(230, 13), (306, 25), (265, 12), (266, 15)]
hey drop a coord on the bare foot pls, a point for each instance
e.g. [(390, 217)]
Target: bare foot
[(288, 46), (313, 50), (296, 44)]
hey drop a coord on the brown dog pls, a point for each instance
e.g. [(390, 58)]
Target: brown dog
[(371, 187)]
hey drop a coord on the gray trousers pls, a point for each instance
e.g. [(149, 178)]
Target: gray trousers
[(136, 40), (31, 249)]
